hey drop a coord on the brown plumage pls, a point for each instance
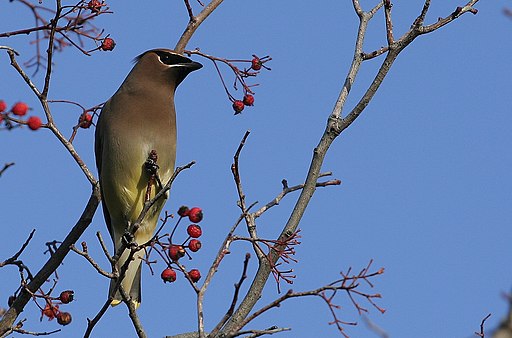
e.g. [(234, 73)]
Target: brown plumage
[(138, 118)]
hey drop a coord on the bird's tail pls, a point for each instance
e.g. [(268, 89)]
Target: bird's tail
[(130, 282)]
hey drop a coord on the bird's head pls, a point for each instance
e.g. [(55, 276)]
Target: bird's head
[(164, 66)]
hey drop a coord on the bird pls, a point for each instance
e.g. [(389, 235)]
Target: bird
[(136, 123)]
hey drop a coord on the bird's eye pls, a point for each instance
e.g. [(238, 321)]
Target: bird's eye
[(165, 58)]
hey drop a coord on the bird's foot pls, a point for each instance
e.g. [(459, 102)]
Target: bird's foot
[(128, 239), (152, 170)]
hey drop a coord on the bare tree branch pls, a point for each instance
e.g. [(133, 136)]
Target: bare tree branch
[(335, 126), (194, 23)]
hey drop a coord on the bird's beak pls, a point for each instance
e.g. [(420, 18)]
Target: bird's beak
[(192, 65)]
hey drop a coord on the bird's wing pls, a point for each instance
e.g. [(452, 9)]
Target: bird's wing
[(98, 149)]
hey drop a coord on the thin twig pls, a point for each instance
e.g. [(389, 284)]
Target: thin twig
[(91, 323), (259, 333), (482, 331), (20, 251), (85, 253), (286, 190), (6, 166), (235, 297), (389, 22), (189, 10)]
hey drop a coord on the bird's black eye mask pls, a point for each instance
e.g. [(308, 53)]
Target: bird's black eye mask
[(167, 58), (171, 59)]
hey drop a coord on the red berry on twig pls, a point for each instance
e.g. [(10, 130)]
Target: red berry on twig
[(238, 106), (183, 211), (248, 100), (194, 245), (85, 120), (63, 318), (194, 231), (67, 296), (194, 275), (168, 275), (19, 108), (176, 252), (195, 215), (108, 44), (3, 105), (256, 63), (34, 122)]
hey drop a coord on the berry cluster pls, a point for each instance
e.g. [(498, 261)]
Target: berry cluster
[(19, 109), (95, 6), (52, 311), (248, 100), (176, 251), (11, 118)]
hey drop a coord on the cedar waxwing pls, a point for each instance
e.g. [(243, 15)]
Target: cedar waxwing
[(138, 118)]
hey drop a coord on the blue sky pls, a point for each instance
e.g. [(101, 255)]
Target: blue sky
[(426, 173)]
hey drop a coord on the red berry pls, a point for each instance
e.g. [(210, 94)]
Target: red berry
[(194, 275), (67, 296), (20, 108), (195, 215), (94, 6), (63, 318), (248, 100), (50, 311), (183, 211), (256, 63), (194, 245), (85, 120), (34, 122), (168, 275), (194, 231), (238, 106), (3, 105), (176, 252), (107, 44)]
